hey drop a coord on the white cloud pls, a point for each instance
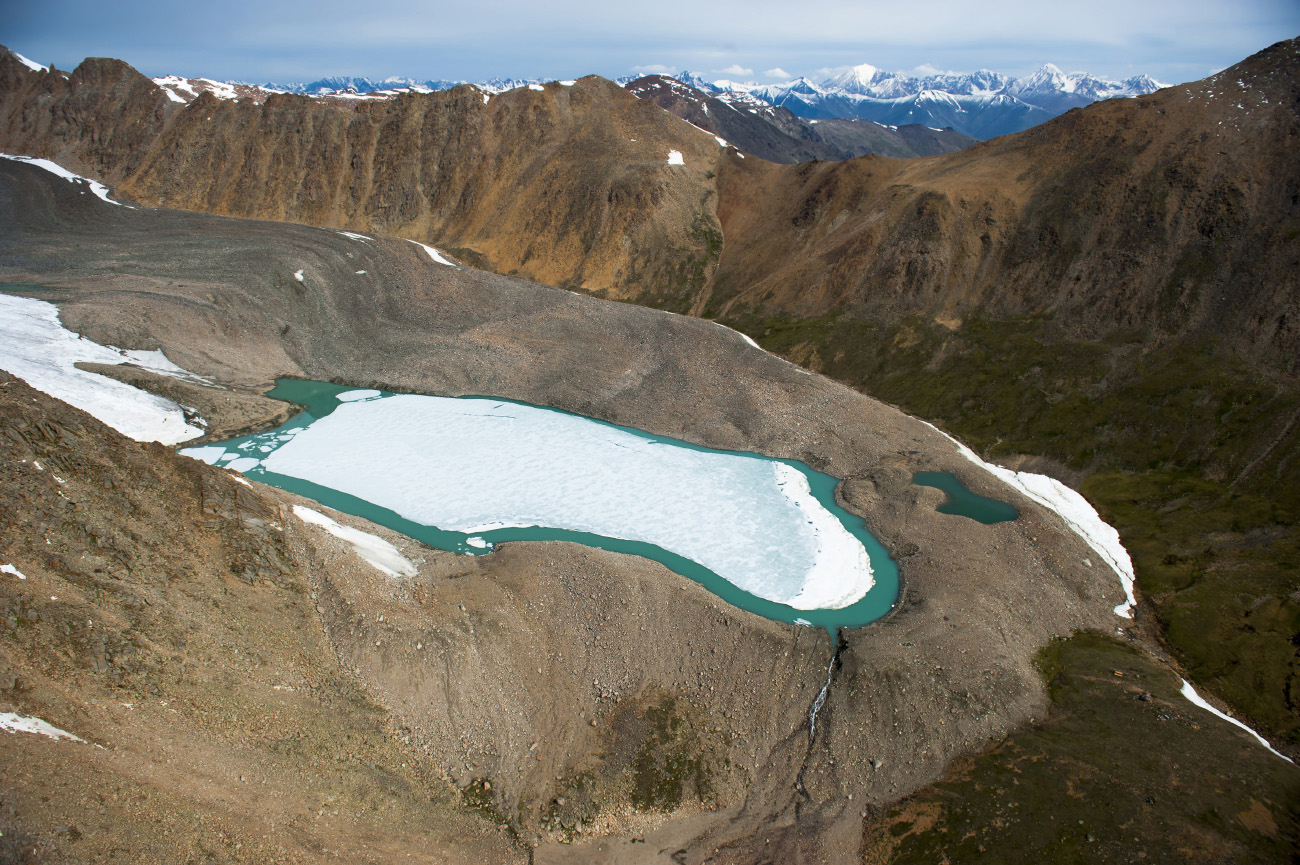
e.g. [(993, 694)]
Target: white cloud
[(777, 72), (655, 69), (735, 69), (927, 69), (828, 72)]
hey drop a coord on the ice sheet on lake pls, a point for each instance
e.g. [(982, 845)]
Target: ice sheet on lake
[(1190, 693), (1081, 517), (470, 465), (13, 723), (372, 548), (35, 347), (54, 168)]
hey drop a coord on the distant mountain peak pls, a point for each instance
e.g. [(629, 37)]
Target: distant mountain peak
[(857, 79)]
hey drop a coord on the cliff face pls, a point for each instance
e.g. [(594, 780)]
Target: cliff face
[(566, 186), (1169, 214)]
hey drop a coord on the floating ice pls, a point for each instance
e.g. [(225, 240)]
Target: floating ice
[(96, 187), (473, 465), (372, 548), (35, 347)]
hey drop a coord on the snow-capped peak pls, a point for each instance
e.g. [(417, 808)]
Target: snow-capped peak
[(859, 79)]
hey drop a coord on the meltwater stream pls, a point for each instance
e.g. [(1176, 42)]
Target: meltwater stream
[(463, 474)]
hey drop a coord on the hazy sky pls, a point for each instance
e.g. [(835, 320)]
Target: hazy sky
[(758, 39)]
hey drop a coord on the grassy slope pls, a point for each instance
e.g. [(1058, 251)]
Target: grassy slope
[(1168, 442), (1123, 769)]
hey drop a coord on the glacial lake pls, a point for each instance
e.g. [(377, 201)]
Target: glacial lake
[(464, 474), (963, 502)]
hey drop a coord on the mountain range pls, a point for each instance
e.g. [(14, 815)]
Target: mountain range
[(774, 133), (981, 104)]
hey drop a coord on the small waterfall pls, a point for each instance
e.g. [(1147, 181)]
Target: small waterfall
[(826, 689)]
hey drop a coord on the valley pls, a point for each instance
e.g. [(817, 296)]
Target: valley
[(1107, 300)]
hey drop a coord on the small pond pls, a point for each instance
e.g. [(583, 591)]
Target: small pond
[(963, 502)]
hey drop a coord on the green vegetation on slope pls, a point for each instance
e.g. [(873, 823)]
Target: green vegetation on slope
[(1188, 450), (1123, 769)]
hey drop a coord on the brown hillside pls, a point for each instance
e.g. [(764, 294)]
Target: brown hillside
[(1175, 212), (567, 186)]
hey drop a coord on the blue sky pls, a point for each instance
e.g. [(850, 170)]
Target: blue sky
[(758, 39)]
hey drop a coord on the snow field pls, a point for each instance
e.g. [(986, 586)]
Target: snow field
[(96, 187), (13, 723), (35, 347), (30, 64), (378, 552)]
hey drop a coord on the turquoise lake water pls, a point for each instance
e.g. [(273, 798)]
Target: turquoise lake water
[(320, 399), (963, 502)]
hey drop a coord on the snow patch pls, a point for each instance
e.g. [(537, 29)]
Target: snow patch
[(355, 236), (10, 569), (177, 82), (374, 549), (12, 723), (434, 254), (219, 89), (297, 274), (536, 87), (35, 347), (743, 336), (1080, 516), (1190, 693), (30, 64), (96, 187), (675, 158)]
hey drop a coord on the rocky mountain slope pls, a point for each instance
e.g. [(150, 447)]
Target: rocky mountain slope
[(565, 185), (640, 671), (1115, 289), (777, 135), (1172, 212)]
